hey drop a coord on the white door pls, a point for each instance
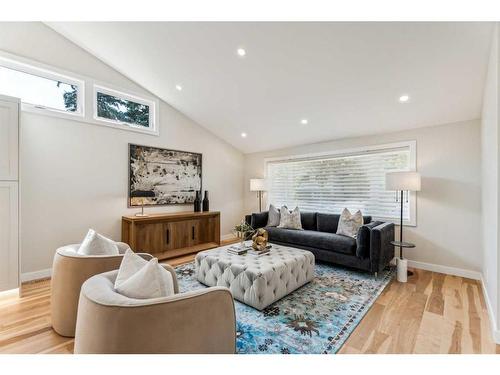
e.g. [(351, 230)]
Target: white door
[(9, 138), (9, 238)]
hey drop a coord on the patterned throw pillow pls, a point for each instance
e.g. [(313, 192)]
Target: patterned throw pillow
[(349, 224), (290, 220), (273, 217)]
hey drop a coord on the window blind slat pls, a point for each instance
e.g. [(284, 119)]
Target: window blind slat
[(328, 184)]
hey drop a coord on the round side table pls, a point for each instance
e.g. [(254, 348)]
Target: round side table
[(401, 245)]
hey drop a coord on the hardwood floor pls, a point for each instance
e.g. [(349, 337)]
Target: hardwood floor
[(432, 313)]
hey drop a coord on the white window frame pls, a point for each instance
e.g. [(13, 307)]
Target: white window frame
[(126, 95), (411, 145), (85, 101), (41, 70)]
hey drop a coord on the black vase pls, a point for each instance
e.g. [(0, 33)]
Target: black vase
[(197, 202), (206, 203)]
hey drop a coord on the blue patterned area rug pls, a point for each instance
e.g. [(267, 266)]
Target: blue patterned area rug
[(316, 318)]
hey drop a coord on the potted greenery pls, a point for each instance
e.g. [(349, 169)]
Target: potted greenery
[(243, 231)]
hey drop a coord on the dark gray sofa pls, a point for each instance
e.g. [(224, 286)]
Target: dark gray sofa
[(370, 251)]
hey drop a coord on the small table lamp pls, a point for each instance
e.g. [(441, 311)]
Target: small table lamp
[(142, 194), (258, 185), (401, 182)]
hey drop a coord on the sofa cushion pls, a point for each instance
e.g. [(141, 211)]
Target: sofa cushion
[(259, 220), (321, 240), (308, 220), (363, 239), (327, 222)]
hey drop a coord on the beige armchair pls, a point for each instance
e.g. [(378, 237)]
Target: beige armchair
[(201, 321), (69, 271)]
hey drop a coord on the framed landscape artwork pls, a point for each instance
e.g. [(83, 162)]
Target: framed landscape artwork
[(159, 176)]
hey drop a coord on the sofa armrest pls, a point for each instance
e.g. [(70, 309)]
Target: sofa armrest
[(381, 250), (248, 219), (259, 220), (363, 239)]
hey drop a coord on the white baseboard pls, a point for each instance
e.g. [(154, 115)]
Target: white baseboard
[(475, 275), (37, 275), (493, 323), (227, 236)]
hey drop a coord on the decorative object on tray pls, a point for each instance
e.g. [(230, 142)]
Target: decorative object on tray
[(173, 176), (238, 249), (206, 203), (349, 224), (259, 239), (142, 194), (243, 231), (259, 253), (197, 202)]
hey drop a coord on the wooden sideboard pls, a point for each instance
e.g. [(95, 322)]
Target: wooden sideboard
[(172, 234)]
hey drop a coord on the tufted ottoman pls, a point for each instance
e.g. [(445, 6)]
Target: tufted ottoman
[(256, 281)]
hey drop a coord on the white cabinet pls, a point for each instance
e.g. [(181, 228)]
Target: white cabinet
[(9, 235), (9, 193), (9, 139)]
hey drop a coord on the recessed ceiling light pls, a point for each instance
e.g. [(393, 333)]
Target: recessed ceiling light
[(241, 52), (243, 135), (304, 121), (178, 87), (404, 99)]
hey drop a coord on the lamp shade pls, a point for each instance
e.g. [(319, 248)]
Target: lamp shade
[(142, 194), (257, 184), (408, 181)]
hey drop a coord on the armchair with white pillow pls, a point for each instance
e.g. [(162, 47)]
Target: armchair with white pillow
[(138, 309), (72, 265)]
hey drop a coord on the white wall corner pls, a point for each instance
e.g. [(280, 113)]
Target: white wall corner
[(495, 332), (36, 275)]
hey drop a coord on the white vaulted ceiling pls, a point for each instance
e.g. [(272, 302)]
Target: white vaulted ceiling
[(344, 78)]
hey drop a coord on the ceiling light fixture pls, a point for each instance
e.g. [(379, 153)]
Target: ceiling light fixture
[(178, 87), (241, 52), (404, 98), (304, 121), (243, 135)]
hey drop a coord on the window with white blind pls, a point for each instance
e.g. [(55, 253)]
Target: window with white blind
[(353, 179)]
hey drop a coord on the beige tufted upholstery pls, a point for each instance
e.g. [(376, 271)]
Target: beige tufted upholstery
[(201, 321), (256, 281), (69, 271)]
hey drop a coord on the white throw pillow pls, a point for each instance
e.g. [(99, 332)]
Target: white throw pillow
[(96, 244), (290, 220), (349, 224), (273, 216), (138, 278), (131, 264)]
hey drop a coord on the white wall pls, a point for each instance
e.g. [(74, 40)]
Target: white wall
[(74, 174), (448, 207), (490, 184)]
